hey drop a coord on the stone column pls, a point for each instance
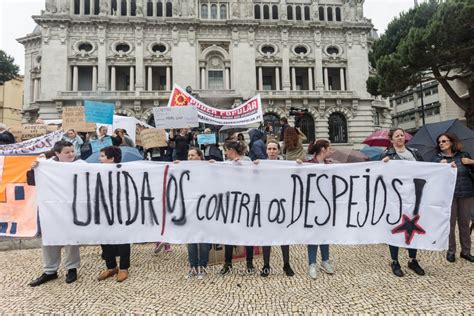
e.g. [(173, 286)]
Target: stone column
[(293, 78), (277, 78), (81, 7), (92, 7), (112, 78), (326, 79), (150, 79), (75, 78), (71, 9), (94, 78), (132, 78), (260, 78), (168, 78), (343, 83), (129, 8), (203, 78), (35, 90), (227, 78), (154, 7), (310, 78), (119, 7)]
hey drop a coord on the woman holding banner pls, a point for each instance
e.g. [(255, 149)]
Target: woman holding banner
[(450, 151), (398, 151), (113, 154), (235, 151), (320, 150), (273, 153)]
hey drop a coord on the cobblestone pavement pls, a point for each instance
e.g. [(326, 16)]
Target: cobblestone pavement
[(363, 283)]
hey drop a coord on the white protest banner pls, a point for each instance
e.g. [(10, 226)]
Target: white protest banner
[(175, 117), (247, 113), (33, 146), (401, 203)]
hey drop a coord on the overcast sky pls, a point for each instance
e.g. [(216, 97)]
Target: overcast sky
[(16, 22)]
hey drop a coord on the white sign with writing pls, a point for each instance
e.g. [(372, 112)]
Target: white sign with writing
[(175, 117)]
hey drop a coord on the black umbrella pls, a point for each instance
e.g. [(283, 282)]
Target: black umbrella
[(425, 139)]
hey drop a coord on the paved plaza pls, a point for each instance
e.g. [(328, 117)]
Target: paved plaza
[(363, 283)]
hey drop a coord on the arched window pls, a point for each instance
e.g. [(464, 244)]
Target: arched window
[(307, 15), (266, 12), (298, 12), (273, 120), (338, 14), (275, 12), (257, 12), (204, 13), (149, 8), (329, 14), (214, 11), (123, 12), (337, 128), (215, 72), (113, 7), (159, 11), (87, 7), (169, 9), (289, 12), (223, 11), (306, 125), (96, 7), (151, 120), (321, 13)]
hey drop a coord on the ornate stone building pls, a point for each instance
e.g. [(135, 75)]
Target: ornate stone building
[(306, 54)]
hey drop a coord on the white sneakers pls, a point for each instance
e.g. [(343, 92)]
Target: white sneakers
[(312, 271), (325, 266)]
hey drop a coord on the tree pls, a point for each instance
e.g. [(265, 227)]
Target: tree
[(8, 70), (434, 41)]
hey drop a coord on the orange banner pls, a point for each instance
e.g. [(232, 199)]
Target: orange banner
[(18, 216)]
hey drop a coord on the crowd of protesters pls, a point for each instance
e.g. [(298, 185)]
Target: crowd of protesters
[(257, 144)]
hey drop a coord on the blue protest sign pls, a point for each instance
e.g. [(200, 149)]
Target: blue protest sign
[(204, 139), (99, 112), (98, 144)]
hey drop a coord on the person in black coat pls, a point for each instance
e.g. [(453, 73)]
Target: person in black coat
[(398, 151), (450, 151), (5, 136)]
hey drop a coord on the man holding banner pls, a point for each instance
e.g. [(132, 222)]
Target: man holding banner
[(64, 152)]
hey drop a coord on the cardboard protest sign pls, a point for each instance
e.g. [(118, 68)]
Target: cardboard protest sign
[(175, 117), (18, 216), (99, 112), (32, 131), (153, 137), (17, 132), (74, 118)]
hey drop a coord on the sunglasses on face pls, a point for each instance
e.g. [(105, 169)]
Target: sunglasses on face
[(443, 141)]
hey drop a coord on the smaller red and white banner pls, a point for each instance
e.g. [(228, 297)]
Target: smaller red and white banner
[(247, 113)]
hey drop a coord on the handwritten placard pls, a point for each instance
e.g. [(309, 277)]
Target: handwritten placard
[(204, 139), (153, 137), (99, 112), (73, 118), (17, 132), (32, 131), (175, 117)]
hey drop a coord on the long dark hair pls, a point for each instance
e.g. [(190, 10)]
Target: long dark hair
[(291, 138), (456, 144), (317, 146), (391, 132), (238, 146)]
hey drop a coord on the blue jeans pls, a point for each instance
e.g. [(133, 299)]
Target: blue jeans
[(313, 251), (198, 255)]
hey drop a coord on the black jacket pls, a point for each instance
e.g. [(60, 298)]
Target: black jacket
[(392, 154), (464, 187)]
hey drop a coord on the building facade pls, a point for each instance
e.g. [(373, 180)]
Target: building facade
[(11, 102), (304, 54), (407, 110)]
